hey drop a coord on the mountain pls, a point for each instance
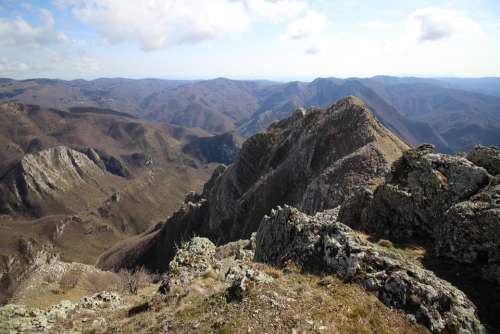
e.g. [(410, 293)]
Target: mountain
[(294, 190), (78, 181), (313, 160), (323, 92), (452, 114), (325, 221), (462, 118)]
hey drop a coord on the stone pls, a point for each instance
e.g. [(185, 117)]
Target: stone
[(487, 157), (322, 243), (314, 160)]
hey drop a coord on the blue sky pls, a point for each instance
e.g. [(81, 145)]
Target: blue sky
[(248, 39)]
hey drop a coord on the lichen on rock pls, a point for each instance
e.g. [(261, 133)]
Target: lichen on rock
[(321, 243)]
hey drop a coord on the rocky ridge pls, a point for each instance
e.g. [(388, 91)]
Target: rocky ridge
[(448, 203), (314, 160), (39, 179)]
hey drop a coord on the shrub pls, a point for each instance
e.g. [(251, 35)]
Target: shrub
[(102, 281), (131, 282), (69, 280)]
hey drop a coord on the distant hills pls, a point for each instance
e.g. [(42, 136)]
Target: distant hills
[(452, 113)]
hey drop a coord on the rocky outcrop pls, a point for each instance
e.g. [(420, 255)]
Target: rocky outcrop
[(199, 257), (322, 243), (487, 157), (470, 232), (35, 184), (445, 201), (314, 160), (23, 319), (421, 187)]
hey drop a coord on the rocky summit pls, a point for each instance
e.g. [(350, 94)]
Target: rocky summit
[(314, 160)]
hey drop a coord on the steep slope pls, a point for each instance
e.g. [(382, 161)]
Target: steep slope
[(221, 148), (76, 182), (214, 105), (314, 160), (52, 180), (463, 119)]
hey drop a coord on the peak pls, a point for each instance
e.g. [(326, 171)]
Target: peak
[(349, 102)]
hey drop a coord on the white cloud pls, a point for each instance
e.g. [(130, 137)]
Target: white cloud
[(158, 24), (277, 11), (8, 68), (434, 23), (311, 25), (20, 33)]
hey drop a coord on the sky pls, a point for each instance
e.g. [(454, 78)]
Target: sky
[(248, 39)]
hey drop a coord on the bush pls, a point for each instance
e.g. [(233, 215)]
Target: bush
[(131, 282), (69, 280), (102, 281)]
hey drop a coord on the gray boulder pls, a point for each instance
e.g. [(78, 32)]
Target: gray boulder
[(487, 157), (322, 243)]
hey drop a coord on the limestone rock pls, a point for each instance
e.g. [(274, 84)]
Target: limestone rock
[(412, 202), (470, 232), (314, 160), (487, 157), (40, 179), (322, 243), (443, 200)]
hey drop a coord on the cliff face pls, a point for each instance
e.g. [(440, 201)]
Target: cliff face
[(314, 160), (52, 177)]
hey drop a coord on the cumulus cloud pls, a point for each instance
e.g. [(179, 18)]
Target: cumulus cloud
[(434, 23), (310, 25), (277, 11), (158, 24), (12, 68), (20, 33)]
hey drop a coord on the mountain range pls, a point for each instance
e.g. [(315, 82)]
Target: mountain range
[(451, 113)]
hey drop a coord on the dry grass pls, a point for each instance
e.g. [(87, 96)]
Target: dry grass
[(295, 301)]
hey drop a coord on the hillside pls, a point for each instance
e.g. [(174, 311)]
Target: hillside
[(76, 182)]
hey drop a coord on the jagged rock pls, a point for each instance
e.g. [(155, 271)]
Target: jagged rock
[(322, 243), (314, 160), (421, 187), (193, 259), (443, 200), (470, 232), (487, 157), (242, 278), (35, 183)]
